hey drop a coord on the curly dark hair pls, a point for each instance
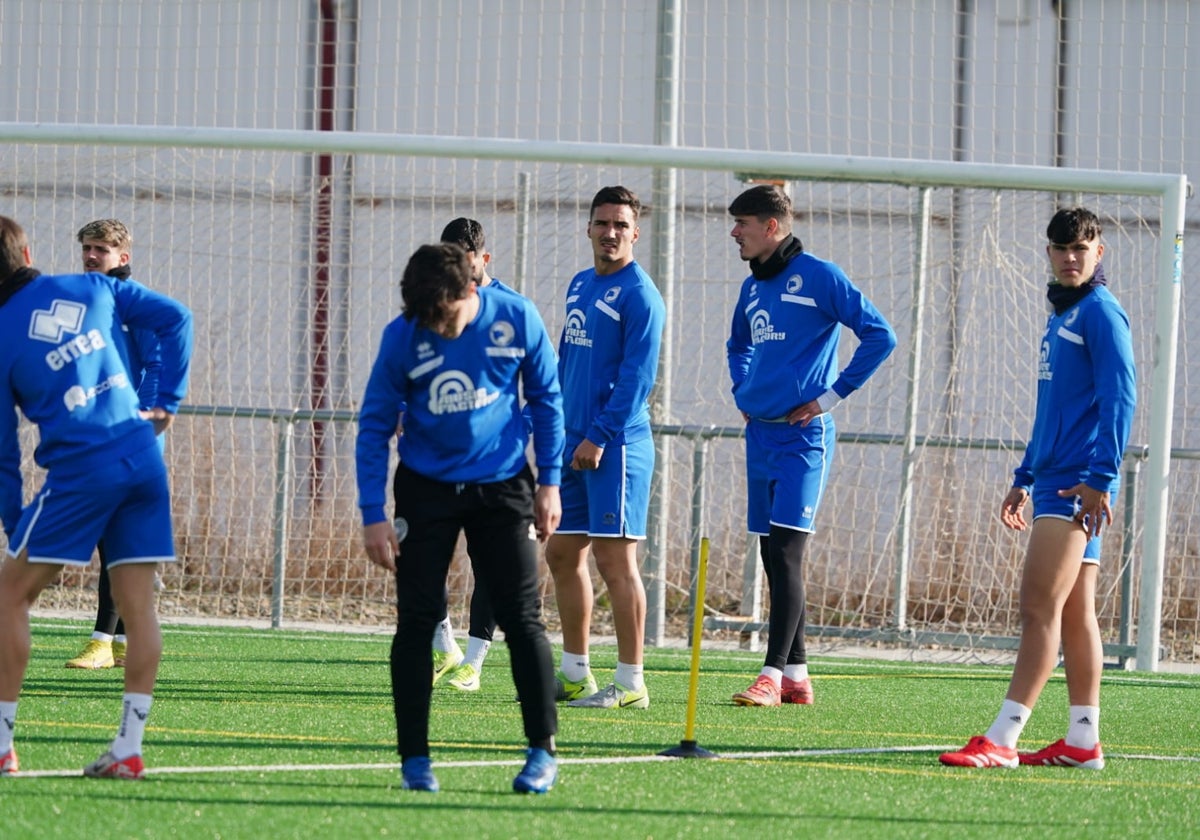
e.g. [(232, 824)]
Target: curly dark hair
[(435, 276)]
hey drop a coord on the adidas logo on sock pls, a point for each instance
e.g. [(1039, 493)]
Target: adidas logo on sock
[(1016, 719), (1085, 720)]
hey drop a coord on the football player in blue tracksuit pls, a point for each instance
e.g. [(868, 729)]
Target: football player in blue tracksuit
[(608, 363), (783, 355), (1086, 394), (464, 672), (105, 246), (458, 362), (62, 365)]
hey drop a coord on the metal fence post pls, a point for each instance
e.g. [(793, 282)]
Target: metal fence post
[(908, 463), (1130, 489), (283, 509)]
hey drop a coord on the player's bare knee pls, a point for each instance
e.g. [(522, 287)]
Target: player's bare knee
[(619, 574)]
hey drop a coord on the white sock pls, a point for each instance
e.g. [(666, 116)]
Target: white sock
[(443, 637), (575, 666), (135, 708), (774, 674), (102, 637), (8, 724), (1084, 729), (795, 673), (1007, 727), (119, 639), (629, 676), (477, 651)]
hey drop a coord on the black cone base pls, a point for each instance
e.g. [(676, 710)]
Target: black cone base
[(688, 749)]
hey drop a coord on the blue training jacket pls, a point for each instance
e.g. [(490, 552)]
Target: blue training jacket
[(1086, 394), (608, 354), (461, 401), (783, 339), (62, 363)]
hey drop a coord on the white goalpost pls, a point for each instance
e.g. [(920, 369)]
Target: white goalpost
[(292, 275)]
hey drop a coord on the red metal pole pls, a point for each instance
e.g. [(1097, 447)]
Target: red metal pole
[(322, 233)]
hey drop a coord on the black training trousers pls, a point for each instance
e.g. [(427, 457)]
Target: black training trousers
[(497, 519), (107, 619)]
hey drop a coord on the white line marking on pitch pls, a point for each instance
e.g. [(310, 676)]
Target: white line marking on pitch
[(517, 762)]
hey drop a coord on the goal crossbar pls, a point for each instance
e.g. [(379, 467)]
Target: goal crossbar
[(789, 165)]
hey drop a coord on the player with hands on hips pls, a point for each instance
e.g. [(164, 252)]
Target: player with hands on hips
[(105, 246), (782, 353), (62, 364)]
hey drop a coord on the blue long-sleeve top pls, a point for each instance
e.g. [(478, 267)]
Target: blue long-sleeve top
[(608, 354), (461, 400), (1086, 394), (143, 358), (497, 287), (783, 338), (145, 363), (62, 363)]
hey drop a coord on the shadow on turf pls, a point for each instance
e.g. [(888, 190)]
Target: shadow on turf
[(83, 688), (183, 790)]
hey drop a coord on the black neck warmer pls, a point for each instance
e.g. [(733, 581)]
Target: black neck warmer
[(11, 284), (121, 272), (1063, 297), (772, 265)]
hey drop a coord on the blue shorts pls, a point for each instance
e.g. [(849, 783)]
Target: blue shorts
[(128, 507), (611, 501), (1047, 502), (787, 468)]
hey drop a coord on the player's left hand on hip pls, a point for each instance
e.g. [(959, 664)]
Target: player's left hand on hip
[(160, 417)]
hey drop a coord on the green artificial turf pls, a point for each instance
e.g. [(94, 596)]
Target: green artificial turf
[(280, 734)]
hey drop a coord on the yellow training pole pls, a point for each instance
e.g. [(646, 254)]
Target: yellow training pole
[(687, 747)]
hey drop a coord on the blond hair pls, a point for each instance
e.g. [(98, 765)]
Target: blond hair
[(111, 232)]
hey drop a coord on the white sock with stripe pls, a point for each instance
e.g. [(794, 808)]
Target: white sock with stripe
[(1084, 729), (135, 708), (8, 725), (575, 666), (443, 636), (1007, 727)]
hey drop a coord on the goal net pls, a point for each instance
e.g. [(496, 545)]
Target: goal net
[(262, 458), (265, 157)]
